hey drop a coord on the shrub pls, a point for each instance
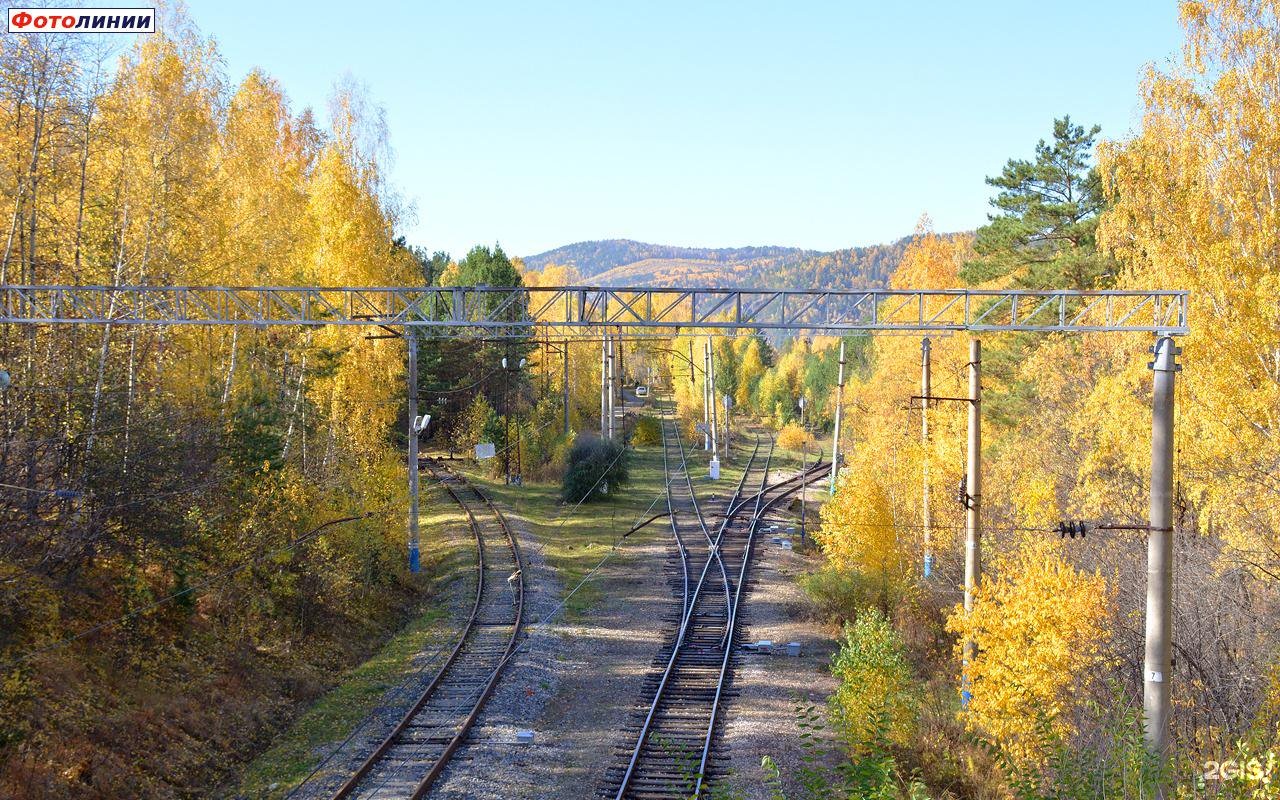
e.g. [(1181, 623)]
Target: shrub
[(648, 431), (839, 593), (876, 695), (793, 437), (1042, 624), (477, 423), (543, 445), (596, 467)]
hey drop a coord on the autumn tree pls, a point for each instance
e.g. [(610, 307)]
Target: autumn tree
[(1043, 233), (167, 477)]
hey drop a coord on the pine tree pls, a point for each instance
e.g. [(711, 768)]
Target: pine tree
[(1043, 234)]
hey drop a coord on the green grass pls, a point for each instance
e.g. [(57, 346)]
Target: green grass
[(336, 713), (574, 541)]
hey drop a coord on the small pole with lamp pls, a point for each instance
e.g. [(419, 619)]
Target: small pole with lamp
[(506, 412)]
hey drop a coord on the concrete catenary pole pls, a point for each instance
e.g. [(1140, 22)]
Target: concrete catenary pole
[(565, 345), (926, 514), (973, 498), (604, 386), (707, 408), (715, 414), (414, 557), (613, 379), (620, 370), (835, 436), (804, 473), (1159, 623)]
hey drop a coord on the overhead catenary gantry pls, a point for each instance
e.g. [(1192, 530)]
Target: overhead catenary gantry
[(578, 311), (611, 314)]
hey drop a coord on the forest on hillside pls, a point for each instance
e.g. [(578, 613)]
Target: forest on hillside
[(201, 529), (594, 257), (197, 526), (619, 262), (1055, 692)]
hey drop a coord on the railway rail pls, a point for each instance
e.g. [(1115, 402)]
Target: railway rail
[(415, 753), (672, 755)]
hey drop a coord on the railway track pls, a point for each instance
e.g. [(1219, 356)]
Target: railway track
[(414, 754), (672, 737), (671, 752)]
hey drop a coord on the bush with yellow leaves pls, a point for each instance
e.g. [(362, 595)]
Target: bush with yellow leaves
[(793, 437), (647, 432), (1040, 625)]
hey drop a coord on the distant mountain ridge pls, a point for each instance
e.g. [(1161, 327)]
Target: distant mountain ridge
[(594, 257), (623, 262)]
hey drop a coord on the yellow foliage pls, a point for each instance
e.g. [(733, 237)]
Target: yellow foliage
[(793, 437), (858, 528), (931, 261), (750, 369), (1040, 624), (876, 693), (1194, 207), (883, 474)]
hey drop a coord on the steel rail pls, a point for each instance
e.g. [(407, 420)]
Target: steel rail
[(728, 517), (439, 766), (816, 468), (675, 530), (733, 611), (659, 693), (379, 753), (372, 760), (713, 544), (685, 615)]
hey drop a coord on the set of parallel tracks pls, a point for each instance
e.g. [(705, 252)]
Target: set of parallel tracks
[(414, 754), (672, 755)]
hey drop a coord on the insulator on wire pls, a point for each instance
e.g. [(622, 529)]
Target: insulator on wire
[(1072, 529)]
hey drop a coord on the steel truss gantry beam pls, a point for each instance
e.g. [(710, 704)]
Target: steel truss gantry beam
[(572, 310)]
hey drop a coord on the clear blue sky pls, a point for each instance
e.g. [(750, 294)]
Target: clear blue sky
[(820, 125)]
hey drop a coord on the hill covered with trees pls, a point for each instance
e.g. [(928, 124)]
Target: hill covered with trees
[(622, 262)]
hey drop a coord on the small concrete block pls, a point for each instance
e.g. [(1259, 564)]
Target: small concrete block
[(524, 737), (793, 649), (786, 545)]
